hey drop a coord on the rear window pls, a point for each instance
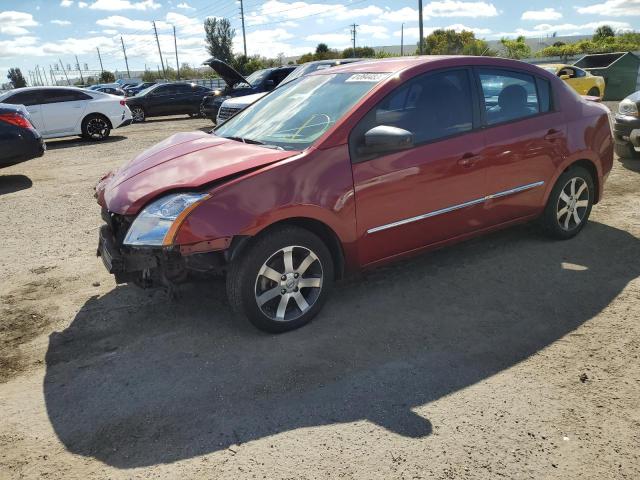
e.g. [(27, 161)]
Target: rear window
[(31, 97), (508, 95)]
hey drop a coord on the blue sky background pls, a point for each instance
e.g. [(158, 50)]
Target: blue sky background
[(39, 32)]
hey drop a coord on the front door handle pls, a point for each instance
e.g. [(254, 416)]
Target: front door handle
[(469, 159), (553, 134)]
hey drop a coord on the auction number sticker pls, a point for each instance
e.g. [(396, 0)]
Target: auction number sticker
[(366, 77)]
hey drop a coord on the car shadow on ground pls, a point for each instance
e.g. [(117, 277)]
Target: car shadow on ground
[(14, 183), (138, 380), (632, 164), (76, 141)]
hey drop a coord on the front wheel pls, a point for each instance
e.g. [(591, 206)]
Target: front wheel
[(95, 127), (594, 92), (626, 150), (282, 280), (569, 204)]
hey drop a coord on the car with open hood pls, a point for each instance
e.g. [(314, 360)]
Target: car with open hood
[(583, 82), (353, 167), (233, 105), (260, 81)]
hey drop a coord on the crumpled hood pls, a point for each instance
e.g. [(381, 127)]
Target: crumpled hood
[(182, 161)]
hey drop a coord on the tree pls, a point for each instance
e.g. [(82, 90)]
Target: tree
[(107, 77), (602, 32), (450, 42), (517, 48), (219, 37), (247, 65), (359, 52), (16, 78), (322, 48)]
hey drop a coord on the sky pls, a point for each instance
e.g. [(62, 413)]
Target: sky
[(42, 32)]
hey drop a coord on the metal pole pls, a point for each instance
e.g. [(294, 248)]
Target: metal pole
[(402, 40), (159, 51), (126, 61), (175, 43), (54, 80), (354, 38), (79, 70), (100, 58), (421, 48), (65, 72), (244, 36)]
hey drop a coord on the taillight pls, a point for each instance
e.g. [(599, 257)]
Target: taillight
[(16, 119), (123, 103)]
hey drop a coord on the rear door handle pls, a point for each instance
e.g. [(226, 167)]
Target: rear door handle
[(469, 159), (553, 134)]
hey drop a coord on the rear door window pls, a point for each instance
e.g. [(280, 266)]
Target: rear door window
[(508, 95), (28, 98), (59, 95)]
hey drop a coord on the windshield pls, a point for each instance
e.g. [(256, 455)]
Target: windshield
[(294, 116), (254, 79)]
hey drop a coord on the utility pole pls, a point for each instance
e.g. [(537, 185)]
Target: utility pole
[(54, 80), (244, 36), (100, 58), (79, 69), (353, 37), (421, 39), (125, 52), (175, 43), (159, 51), (402, 40), (65, 72)]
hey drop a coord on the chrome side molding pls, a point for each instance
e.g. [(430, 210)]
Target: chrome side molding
[(477, 201)]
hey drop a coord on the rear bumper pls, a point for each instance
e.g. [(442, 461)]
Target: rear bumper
[(22, 149), (123, 119)]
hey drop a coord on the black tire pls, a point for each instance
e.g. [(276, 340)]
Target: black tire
[(594, 92), (95, 127), (625, 150), (138, 114), (245, 283), (563, 226)]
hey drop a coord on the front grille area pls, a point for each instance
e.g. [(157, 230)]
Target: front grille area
[(227, 112), (118, 224)]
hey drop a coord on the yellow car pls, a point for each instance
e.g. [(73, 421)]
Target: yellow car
[(580, 80)]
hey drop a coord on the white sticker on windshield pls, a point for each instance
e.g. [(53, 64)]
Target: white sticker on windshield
[(366, 77)]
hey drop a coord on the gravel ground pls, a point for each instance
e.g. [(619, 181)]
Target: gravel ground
[(509, 356)]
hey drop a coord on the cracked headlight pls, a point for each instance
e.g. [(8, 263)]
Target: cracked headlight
[(157, 223)]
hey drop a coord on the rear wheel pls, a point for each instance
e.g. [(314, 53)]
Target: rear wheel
[(626, 150), (138, 114), (569, 204), (594, 92), (282, 280), (95, 127)]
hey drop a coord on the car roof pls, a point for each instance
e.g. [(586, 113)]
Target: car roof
[(57, 87), (397, 64)]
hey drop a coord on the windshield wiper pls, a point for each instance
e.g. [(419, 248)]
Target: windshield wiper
[(255, 142)]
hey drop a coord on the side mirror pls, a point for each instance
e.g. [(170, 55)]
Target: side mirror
[(270, 84), (565, 77), (385, 139)]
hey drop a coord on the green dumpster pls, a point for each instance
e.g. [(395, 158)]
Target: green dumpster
[(620, 72)]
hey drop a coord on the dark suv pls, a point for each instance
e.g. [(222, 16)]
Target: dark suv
[(237, 86), (167, 99), (626, 127)]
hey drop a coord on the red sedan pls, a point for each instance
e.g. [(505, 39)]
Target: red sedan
[(350, 168)]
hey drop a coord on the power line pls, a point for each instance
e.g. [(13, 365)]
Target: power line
[(353, 37)]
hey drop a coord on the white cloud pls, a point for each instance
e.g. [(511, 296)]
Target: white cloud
[(120, 22), (405, 14), (15, 23), (454, 8), (612, 8), (375, 31), (334, 40), (545, 29), (61, 22), (185, 6), (184, 23), (117, 5), (544, 14), (83, 4), (66, 3), (26, 45), (458, 27), (108, 31), (276, 10), (412, 33)]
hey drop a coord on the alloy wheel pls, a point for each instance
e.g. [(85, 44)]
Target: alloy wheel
[(97, 128), (573, 203), (138, 114), (289, 283)]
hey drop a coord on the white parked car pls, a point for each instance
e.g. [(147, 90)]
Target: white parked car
[(64, 111)]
